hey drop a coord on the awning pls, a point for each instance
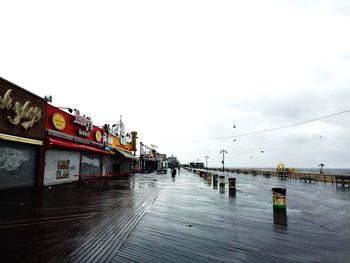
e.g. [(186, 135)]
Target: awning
[(61, 144), (125, 154)]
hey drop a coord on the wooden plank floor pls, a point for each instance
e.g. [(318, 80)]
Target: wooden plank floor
[(151, 218), (241, 228)]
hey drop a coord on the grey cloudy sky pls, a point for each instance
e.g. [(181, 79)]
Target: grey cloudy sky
[(184, 72)]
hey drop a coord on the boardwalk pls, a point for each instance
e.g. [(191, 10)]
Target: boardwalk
[(152, 218)]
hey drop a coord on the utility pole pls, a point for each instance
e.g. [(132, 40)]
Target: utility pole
[(223, 159), (206, 161)]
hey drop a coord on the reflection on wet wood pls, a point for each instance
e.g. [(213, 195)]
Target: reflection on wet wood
[(150, 218)]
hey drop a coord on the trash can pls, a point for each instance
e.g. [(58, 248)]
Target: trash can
[(209, 178), (279, 198), (215, 181), (222, 180), (232, 184)]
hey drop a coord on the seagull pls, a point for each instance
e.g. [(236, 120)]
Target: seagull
[(188, 224)]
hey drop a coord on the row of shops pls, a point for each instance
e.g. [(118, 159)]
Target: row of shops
[(41, 144)]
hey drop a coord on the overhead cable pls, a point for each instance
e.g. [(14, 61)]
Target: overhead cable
[(273, 129)]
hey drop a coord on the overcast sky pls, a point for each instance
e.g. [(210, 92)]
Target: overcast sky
[(182, 73)]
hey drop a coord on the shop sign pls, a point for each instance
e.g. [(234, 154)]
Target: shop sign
[(58, 121), (123, 140), (83, 121), (98, 136), (24, 113)]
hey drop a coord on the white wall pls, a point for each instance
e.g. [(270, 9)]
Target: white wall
[(61, 166)]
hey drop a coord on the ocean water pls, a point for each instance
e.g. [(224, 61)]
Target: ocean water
[(307, 170)]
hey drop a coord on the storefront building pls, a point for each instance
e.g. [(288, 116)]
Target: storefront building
[(120, 160), (73, 146), (22, 131)]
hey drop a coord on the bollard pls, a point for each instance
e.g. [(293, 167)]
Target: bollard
[(215, 181), (279, 198), (222, 180), (232, 186), (222, 184)]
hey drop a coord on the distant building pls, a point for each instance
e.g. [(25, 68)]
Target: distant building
[(196, 165), (172, 162)]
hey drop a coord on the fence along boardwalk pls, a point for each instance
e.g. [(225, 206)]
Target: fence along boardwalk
[(341, 180)]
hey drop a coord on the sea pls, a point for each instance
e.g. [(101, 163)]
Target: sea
[(305, 170)]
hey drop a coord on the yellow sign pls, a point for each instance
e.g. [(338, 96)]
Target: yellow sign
[(58, 121), (114, 142), (98, 136)]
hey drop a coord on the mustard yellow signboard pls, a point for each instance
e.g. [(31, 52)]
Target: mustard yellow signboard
[(115, 142), (98, 136), (58, 121)]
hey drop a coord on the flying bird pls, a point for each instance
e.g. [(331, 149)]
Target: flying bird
[(262, 151), (234, 126), (234, 140), (251, 157)]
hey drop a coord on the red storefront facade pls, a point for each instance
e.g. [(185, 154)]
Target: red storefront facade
[(73, 146)]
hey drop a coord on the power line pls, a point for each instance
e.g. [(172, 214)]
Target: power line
[(273, 129)]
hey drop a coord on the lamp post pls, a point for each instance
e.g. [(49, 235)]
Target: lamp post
[(206, 161), (223, 159), (141, 161)]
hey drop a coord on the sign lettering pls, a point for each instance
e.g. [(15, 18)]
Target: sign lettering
[(23, 111), (83, 121)]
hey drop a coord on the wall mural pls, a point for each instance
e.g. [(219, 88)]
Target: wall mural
[(90, 164), (62, 171), (12, 159)]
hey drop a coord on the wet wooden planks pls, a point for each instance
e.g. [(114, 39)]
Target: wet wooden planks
[(98, 238), (237, 229)]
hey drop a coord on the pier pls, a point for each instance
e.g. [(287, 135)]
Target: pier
[(156, 218)]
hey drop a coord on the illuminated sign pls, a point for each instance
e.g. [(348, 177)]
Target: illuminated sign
[(23, 111), (58, 121)]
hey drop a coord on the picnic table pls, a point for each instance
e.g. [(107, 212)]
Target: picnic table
[(103, 179)]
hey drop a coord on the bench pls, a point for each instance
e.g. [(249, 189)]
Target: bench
[(309, 179), (342, 180), (118, 174), (104, 180)]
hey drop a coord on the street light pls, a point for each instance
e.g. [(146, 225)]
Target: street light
[(223, 159), (206, 161)]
